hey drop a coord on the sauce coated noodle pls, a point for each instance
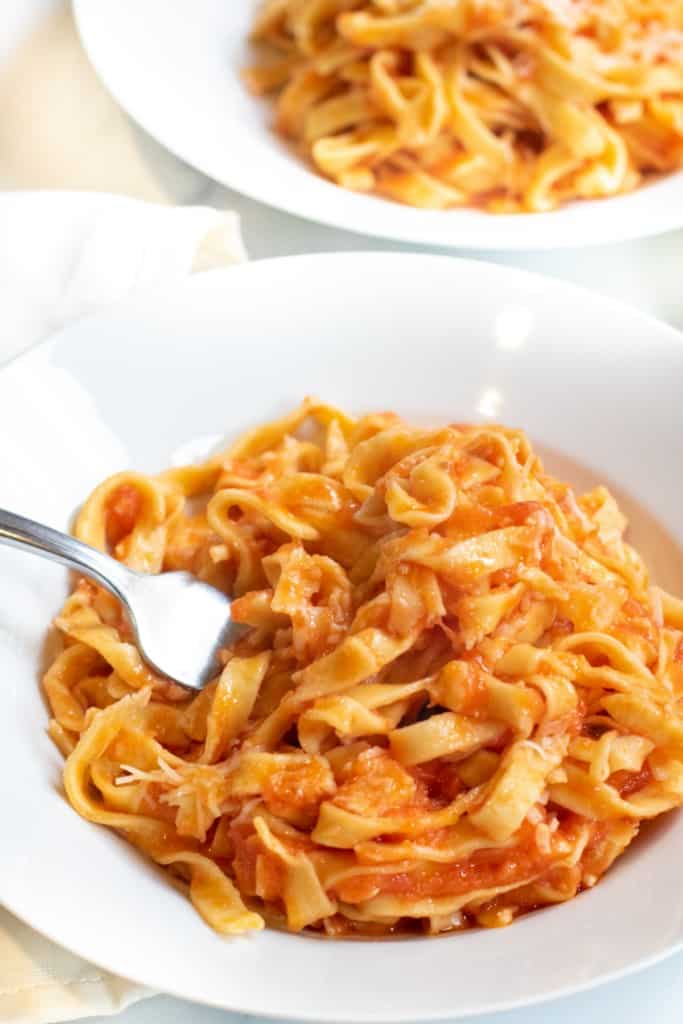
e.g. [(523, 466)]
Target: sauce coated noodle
[(457, 697)]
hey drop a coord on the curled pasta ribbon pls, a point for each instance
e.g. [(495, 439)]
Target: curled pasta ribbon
[(141, 521), (304, 897), (509, 106), (211, 891), (426, 498), (314, 594), (233, 702), (82, 623), (214, 896), (456, 693), (72, 667)]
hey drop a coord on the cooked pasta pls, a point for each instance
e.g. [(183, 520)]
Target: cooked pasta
[(510, 105), (455, 697)]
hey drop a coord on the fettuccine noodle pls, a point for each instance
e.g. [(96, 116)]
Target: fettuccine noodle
[(456, 697), (511, 105)]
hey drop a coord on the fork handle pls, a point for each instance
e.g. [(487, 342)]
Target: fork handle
[(28, 535)]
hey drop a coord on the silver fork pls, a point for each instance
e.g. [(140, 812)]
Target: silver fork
[(179, 623)]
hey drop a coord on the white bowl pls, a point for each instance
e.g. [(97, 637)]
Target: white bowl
[(161, 380), (175, 67)]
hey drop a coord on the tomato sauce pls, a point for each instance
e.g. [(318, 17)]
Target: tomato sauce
[(510, 867), (473, 694), (437, 785), (123, 509), (630, 782), (678, 653), (296, 787), (485, 869)]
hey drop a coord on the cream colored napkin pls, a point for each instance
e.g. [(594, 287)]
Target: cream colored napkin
[(62, 256), (41, 982)]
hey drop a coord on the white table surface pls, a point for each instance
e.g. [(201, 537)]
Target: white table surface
[(647, 274)]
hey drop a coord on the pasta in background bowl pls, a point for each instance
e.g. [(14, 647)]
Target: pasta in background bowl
[(433, 338), (513, 105), (519, 133)]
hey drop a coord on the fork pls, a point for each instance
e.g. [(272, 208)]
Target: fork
[(179, 623)]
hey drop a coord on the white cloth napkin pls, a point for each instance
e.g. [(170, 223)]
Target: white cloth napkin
[(62, 256), (66, 254)]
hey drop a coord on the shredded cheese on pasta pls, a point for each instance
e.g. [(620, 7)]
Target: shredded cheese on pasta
[(456, 696), (512, 105)]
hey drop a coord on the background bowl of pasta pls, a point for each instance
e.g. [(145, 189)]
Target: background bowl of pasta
[(440, 341), (502, 125)]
